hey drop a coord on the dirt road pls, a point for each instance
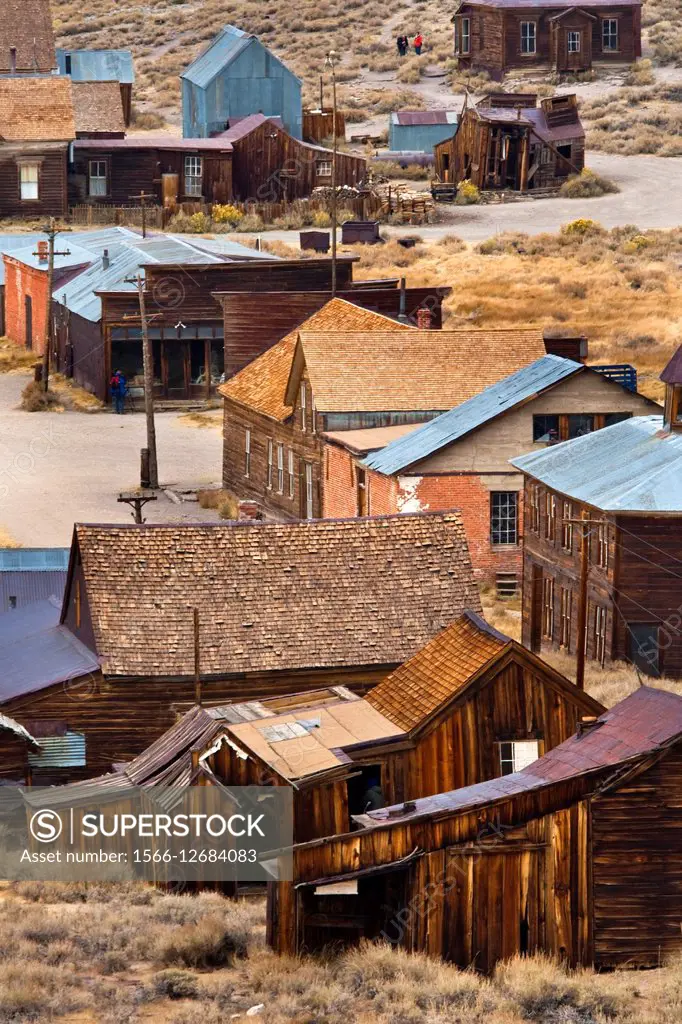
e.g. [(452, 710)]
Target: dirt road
[(57, 468)]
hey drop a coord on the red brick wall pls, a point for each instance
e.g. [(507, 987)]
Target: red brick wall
[(21, 281), (339, 487)]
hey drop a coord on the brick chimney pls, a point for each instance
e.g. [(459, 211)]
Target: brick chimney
[(43, 251), (424, 318)]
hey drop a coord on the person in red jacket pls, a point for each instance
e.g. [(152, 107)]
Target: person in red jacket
[(418, 43)]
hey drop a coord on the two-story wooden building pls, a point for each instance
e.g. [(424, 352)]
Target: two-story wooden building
[(498, 36), (158, 615), (575, 856), (624, 481), (461, 459), (470, 705)]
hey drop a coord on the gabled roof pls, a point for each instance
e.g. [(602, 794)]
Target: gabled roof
[(672, 374), (633, 466), (451, 426), (421, 371), (98, 65), (542, 4), (644, 723), (36, 109), (97, 107), (36, 651), (221, 52), (317, 594), (27, 26), (262, 384)]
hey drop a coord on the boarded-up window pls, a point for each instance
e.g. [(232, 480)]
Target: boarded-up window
[(516, 755), (28, 178)]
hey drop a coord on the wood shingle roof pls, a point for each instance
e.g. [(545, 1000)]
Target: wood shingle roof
[(26, 25), (36, 110), (354, 592), (97, 107)]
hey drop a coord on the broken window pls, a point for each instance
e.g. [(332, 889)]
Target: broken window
[(545, 429), (193, 176), (516, 755), (580, 424), (528, 32), (97, 178), (609, 34)]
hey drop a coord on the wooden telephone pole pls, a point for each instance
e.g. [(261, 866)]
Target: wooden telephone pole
[(51, 232), (585, 524), (148, 367), (142, 200), (332, 58)]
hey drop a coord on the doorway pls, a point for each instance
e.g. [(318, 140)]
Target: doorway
[(175, 359), (364, 790), (643, 648)]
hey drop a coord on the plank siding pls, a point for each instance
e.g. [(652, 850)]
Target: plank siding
[(52, 192)]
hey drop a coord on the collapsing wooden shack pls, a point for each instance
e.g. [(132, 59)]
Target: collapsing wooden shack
[(576, 855), (507, 142)]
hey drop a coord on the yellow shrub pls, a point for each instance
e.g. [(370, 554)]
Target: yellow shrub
[(226, 214), (467, 193), (582, 226)]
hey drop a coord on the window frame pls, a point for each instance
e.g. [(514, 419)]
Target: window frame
[(193, 176), (565, 618), (503, 498), (247, 453), (550, 517), (28, 165), (546, 416), (548, 607), (567, 527), (292, 474), (534, 506), (324, 173), (280, 468), (270, 463), (303, 402), (516, 762), (527, 51), (102, 162), (599, 634), (611, 33), (309, 490), (603, 545), (574, 36)]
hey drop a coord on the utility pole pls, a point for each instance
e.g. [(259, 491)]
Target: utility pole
[(585, 523), (137, 503), (51, 232), (148, 364), (142, 200), (330, 62)]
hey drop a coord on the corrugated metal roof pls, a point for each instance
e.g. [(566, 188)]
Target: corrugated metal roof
[(34, 559), (20, 588), (223, 246), (170, 142), (647, 719), (451, 426), (226, 47), (98, 65), (14, 243), (414, 117), (36, 651), (67, 751), (632, 466)]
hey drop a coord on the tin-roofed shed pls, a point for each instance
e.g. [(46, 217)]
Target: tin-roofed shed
[(419, 130)]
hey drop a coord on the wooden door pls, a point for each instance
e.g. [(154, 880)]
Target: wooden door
[(170, 185), (175, 369)]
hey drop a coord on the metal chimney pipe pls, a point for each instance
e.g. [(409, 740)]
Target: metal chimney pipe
[(402, 315), (105, 260)]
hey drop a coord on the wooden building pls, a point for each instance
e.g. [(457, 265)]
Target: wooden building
[(461, 459), (275, 617), (576, 856), (346, 369), (470, 705), (36, 127), (234, 77), (418, 131), (17, 747), (101, 66), (625, 482), (318, 125), (500, 36), (255, 159), (507, 142), (98, 110), (26, 38)]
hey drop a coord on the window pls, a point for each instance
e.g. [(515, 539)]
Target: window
[(462, 36), (292, 477), (610, 418), (362, 503), (67, 751), (518, 754), (193, 176), (548, 607), (573, 42), (247, 453), (504, 517), (603, 546), (304, 405), (97, 178), (600, 634), (545, 429), (324, 168), (609, 34), (313, 425), (528, 37), (28, 177), (67, 64), (579, 424), (12, 600), (550, 517), (565, 624), (308, 490), (268, 482), (280, 468), (567, 527), (535, 508)]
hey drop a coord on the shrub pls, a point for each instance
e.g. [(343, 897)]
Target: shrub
[(468, 194), (587, 185), (582, 227), (226, 214), (250, 222), (176, 984), (321, 219), (210, 942), (451, 244), (146, 120), (35, 399)]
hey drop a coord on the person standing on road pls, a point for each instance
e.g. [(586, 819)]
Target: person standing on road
[(400, 44), (404, 45), (119, 390), (418, 43)]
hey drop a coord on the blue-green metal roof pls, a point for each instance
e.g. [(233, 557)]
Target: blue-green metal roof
[(226, 47), (633, 466), (451, 426), (98, 65)]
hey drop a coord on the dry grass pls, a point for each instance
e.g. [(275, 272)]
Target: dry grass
[(621, 288), (635, 120), (71, 396), (34, 398), (202, 420), (14, 358), (7, 540), (225, 503)]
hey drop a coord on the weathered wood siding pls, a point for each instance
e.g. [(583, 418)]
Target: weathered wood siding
[(52, 197)]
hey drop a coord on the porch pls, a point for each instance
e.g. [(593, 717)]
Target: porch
[(189, 361)]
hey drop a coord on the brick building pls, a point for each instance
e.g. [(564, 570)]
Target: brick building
[(460, 459), (625, 481), (346, 370)]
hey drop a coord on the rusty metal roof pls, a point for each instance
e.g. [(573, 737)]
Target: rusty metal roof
[(672, 374), (420, 117), (644, 722)]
